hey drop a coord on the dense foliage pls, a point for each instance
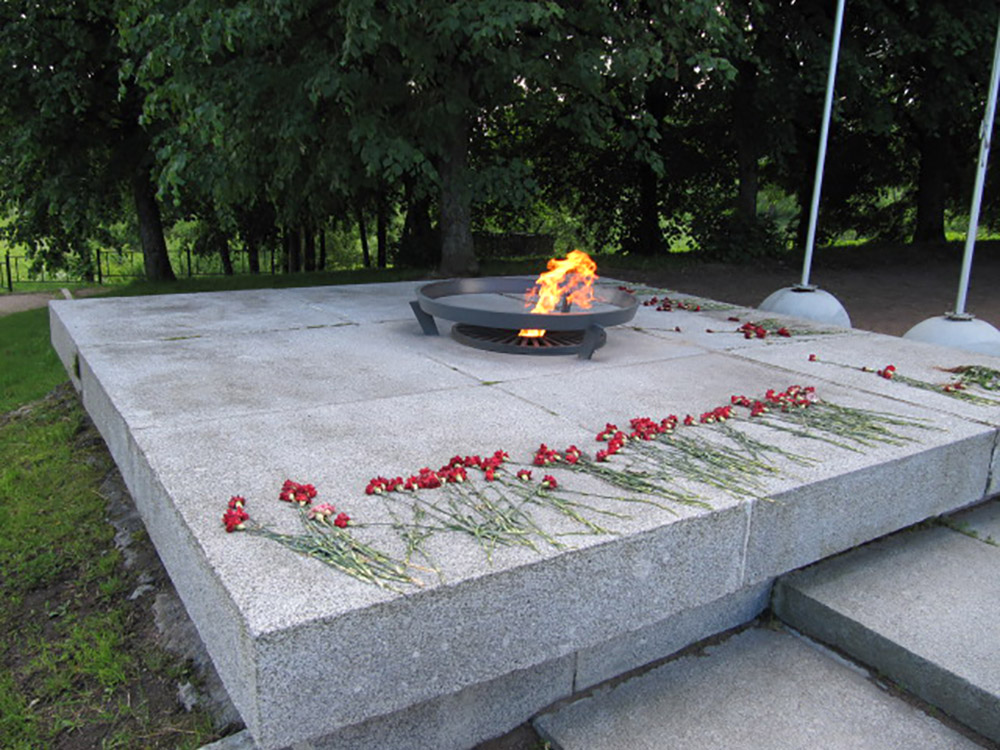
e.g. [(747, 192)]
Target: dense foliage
[(629, 126)]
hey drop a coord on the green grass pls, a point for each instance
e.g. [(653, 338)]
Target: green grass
[(73, 671), (30, 366), (48, 287)]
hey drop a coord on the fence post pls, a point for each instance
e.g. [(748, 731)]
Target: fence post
[(10, 279), (100, 274)]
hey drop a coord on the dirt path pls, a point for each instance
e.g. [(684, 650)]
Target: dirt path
[(20, 301), (888, 299)]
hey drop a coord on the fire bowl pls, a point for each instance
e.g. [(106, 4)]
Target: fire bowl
[(489, 313)]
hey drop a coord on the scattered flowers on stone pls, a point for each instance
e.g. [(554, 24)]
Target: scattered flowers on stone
[(456, 471), (324, 511), (752, 330), (321, 511), (545, 456), (235, 516), (326, 538), (293, 492), (983, 377), (497, 509), (665, 304)]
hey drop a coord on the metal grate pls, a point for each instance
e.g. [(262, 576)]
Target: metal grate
[(509, 342)]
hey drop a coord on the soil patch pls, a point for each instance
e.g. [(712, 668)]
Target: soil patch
[(21, 301), (888, 295)]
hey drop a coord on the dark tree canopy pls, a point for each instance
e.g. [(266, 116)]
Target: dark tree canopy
[(74, 151), (639, 123)]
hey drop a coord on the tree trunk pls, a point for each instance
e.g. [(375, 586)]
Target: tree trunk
[(644, 235), (88, 264), (420, 246), (309, 249), (154, 246), (382, 232), (224, 256), (931, 189), (457, 255), (366, 255), (745, 129), (253, 253), (647, 238), (293, 251), (321, 262)]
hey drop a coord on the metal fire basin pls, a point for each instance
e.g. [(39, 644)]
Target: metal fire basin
[(573, 331)]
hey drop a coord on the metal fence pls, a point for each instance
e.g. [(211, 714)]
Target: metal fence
[(110, 266)]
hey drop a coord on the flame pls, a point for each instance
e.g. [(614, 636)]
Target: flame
[(569, 281)]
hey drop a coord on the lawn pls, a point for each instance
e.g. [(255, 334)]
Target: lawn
[(80, 660), (81, 665)]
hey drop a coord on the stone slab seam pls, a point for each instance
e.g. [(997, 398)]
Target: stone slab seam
[(576, 672), (747, 529), (989, 489), (671, 634), (951, 693), (696, 648)]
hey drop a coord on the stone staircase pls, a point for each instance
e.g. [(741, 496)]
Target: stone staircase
[(895, 644)]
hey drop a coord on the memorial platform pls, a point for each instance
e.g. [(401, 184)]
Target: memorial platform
[(204, 396)]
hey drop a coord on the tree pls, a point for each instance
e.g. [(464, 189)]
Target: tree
[(317, 104), (601, 133), (937, 64), (910, 87), (73, 144)]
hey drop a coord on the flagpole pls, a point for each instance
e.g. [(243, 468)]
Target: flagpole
[(823, 138), (985, 134)]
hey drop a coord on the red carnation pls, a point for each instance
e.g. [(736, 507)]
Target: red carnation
[(233, 518)]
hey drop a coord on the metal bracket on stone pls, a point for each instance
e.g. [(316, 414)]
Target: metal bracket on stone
[(426, 321), (593, 339)]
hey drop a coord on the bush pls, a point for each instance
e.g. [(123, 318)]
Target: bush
[(730, 239)]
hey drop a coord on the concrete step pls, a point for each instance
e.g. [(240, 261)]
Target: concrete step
[(921, 607), (761, 688)]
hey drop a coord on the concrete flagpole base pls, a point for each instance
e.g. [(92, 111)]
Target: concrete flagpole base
[(809, 302), (958, 331)]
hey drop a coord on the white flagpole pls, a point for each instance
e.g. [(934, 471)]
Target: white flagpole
[(824, 135), (985, 133)]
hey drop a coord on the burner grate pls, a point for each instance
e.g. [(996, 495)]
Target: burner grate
[(509, 342)]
